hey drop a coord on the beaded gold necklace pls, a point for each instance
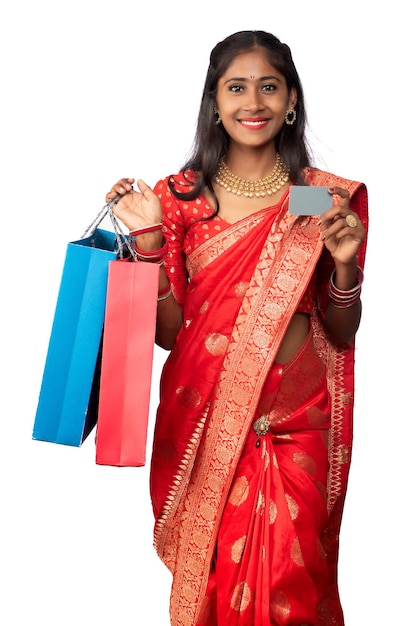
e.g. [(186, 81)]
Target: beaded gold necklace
[(249, 188)]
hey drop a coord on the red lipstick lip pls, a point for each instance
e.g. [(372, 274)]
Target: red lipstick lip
[(253, 119)]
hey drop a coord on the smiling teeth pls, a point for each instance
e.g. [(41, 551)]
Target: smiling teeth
[(255, 123)]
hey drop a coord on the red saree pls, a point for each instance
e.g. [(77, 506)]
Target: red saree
[(248, 524)]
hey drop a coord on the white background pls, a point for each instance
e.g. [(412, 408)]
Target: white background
[(91, 92)]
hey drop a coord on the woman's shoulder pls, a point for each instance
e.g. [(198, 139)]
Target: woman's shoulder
[(176, 190), (180, 183)]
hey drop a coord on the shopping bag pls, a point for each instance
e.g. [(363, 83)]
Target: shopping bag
[(126, 367), (65, 414)]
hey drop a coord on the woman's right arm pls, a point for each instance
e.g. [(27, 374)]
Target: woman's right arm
[(137, 210)]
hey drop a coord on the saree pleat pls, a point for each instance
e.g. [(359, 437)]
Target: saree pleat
[(250, 532)]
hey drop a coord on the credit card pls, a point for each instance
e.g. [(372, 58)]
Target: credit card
[(306, 200)]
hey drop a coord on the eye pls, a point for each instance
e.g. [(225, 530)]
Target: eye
[(236, 88), (269, 87)]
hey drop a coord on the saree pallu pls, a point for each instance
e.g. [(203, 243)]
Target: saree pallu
[(245, 285)]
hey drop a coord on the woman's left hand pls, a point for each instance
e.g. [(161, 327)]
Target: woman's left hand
[(342, 229)]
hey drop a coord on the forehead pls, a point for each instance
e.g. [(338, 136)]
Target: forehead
[(254, 63)]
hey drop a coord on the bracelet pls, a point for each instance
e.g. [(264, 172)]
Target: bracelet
[(146, 229), (165, 296), (345, 298), (164, 293), (164, 290), (155, 256)]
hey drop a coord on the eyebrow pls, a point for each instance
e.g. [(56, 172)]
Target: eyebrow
[(239, 79)]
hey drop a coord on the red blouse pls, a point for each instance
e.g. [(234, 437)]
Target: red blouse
[(185, 227)]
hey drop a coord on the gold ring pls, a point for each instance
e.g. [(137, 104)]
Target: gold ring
[(351, 220)]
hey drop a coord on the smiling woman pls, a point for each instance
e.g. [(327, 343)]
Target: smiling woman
[(259, 309)]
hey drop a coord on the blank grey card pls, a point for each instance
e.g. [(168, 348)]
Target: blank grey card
[(306, 200)]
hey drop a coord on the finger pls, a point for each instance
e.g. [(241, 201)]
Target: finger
[(143, 187), (343, 194), (331, 215), (340, 229), (339, 191), (123, 186)]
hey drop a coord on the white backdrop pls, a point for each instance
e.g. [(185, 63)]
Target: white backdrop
[(94, 91)]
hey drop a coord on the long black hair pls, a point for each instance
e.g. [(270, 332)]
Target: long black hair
[(211, 140)]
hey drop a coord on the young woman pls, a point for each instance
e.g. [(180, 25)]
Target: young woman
[(259, 309)]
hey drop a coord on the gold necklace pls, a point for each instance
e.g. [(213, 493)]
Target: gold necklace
[(259, 188)]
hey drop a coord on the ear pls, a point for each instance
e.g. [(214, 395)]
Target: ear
[(293, 97)]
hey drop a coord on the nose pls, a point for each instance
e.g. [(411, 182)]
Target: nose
[(254, 101)]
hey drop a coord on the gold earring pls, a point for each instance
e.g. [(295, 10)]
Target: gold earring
[(216, 112), (290, 116)]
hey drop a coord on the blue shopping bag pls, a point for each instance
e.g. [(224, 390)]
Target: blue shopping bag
[(67, 406)]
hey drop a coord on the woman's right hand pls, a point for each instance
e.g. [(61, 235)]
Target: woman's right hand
[(136, 209)]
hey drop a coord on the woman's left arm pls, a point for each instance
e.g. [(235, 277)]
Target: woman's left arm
[(343, 233)]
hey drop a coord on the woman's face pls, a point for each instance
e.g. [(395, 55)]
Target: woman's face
[(252, 99)]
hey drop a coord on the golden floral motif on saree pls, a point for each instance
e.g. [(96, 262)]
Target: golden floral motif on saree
[(305, 462), (215, 483), (249, 367), (279, 605), (296, 553), (238, 549), (240, 396), (261, 503), (240, 491), (216, 344), (232, 426), (223, 454), (189, 396), (293, 506), (273, 311), (272, 512), (240, 289), (317, 418), (241, 597), (266, 457)]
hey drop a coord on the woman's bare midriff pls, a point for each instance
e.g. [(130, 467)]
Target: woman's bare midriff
[(295, 336)]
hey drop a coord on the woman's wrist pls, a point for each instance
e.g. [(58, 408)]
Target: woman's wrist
[(345, 275), (149, 242)]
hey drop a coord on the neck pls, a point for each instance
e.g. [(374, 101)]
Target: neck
[(250, 164)]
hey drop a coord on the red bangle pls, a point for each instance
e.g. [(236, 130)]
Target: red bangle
[(155, 256), (345, 298), (146, 229), (164, 290), (164, 293)]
